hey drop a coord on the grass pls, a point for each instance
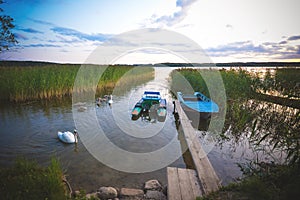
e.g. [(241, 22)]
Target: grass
[(28, 180), (266, 182), (21, 81)]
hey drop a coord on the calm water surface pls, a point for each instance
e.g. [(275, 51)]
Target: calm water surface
[(30, 130)]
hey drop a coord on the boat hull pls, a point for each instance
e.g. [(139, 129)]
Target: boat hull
[(202, 115), (161, 114), (198, 103), (136, 112)]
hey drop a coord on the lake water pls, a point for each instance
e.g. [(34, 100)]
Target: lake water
[(30, 130)]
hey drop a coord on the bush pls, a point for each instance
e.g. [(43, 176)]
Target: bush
[(27, 180)]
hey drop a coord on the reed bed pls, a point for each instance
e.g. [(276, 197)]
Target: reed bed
[(237, 83), (22, 82), (273, 123), (272, 128)]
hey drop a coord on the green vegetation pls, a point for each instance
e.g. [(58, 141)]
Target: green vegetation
[(21, 81), (283, 82), (28, 180), (7, 38), (237, 83), (266, 182), (82, 196), (268, 123)]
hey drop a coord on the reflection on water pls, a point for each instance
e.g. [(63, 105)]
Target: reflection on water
[(222, 155), (254, 131), (30, 130)]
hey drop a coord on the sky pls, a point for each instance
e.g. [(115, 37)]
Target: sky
[(69, 31)]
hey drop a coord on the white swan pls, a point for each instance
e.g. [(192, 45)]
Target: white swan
[(110, 101), (68, 137)]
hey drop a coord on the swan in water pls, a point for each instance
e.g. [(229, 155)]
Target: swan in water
[(68, 137), (110, 101)]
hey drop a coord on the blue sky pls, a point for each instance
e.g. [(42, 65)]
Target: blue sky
[(228, 30)]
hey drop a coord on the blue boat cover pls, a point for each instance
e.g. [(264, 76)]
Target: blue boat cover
[(148, 95), (198, 102), (202, 106), (149, 92)]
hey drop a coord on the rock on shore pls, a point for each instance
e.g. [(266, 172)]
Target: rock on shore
[(152, 190), (107, 193)]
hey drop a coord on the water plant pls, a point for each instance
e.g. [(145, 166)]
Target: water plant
[(270, 126), (21, 81), (27, 180)]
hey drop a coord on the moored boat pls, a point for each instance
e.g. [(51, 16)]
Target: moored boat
[(151, 102), (198, 102), (137, 110)]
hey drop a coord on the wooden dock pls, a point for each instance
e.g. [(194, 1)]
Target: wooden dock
[(181, 182)]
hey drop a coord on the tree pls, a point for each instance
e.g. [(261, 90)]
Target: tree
[(7, 38)]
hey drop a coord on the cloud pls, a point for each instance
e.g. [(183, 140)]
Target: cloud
[(236, 47), (295, 37), (243, 47), (42, 22), (283, 42), (176, 17), (65, 39), (229, 26), (292, 53), (280, 50), (29, 30), (41, 45), (83, 36), (150, 51), (20, 36)]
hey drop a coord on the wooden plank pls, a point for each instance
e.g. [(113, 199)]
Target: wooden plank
[(185, 185), (173, 184), (207, 175), (194, 183)]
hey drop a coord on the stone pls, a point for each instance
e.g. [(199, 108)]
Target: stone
[(93, 195), (76, 193), (152, 185), (165, 190), (155, 195), (129, 192), (107, 193)]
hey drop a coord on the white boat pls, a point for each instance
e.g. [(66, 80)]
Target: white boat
[(67, 137)]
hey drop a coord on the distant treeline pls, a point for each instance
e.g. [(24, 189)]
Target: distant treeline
[(22, 81), (45, 64), (235, 64), (231, 64), (239, 83)]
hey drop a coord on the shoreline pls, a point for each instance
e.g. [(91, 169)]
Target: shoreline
[(151, 189)]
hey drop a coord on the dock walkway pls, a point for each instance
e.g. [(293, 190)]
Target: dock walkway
[(181, 182)]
